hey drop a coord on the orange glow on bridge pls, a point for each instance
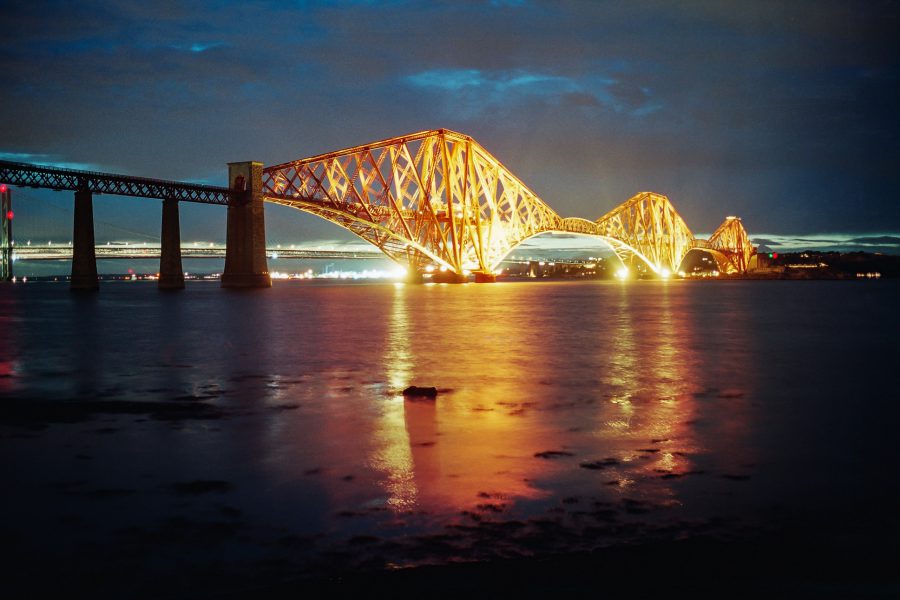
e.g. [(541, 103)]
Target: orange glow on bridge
[(438, 199)]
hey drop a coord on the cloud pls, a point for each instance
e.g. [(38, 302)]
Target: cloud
[(888, 243), (198, 46), (476, 91), (881, 240), (47, 160), (782, 113)]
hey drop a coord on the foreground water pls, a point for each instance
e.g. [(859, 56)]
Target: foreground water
[(263, 434)]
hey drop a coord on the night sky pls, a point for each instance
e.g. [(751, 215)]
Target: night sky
[(783, 113)]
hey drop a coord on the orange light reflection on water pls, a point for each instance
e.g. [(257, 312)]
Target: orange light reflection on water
[(461, 448), (511, 388)]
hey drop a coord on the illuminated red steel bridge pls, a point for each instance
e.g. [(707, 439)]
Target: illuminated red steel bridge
[(438, 198), (429, 200)]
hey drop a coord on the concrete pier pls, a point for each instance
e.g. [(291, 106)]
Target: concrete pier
[(245, 242), (448, 277), (485, 278), (84, 262), (6, 213), (171, 273)]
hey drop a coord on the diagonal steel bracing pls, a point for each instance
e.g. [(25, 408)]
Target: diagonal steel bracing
[(438, 197)]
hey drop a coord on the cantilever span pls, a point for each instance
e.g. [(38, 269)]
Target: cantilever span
[(438, 198)]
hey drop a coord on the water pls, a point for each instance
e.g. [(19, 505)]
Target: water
[(263, 434)]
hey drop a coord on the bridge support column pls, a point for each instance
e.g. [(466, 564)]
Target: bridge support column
[(485, 278), (84, 261), (6, 247), (171, 274), (448, 277), (245, 243)]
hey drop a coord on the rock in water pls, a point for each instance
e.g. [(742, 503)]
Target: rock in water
[(421, 392)]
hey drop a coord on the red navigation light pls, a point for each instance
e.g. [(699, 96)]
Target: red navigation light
[(2, 188), (775, 255), (9, 215)]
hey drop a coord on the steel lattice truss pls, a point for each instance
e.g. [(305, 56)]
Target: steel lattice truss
[(431, 197), (649, 224), (438, 197), (55, 178), (732, 246)]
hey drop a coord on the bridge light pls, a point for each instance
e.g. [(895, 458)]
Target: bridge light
[(665, 273), (9, 215), (775, 255), (2, 188), (622, 273)]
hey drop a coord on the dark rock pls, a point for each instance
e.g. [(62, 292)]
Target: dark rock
[(599, 464), (414, 391), (552, 454)]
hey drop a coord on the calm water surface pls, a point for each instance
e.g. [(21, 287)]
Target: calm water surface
[(570, 416)]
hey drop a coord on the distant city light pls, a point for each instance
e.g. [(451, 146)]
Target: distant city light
[(395, 273)]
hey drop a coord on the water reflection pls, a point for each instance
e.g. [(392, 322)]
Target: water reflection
[(667, 346), (446, 454), (516, 390), (555, 399), (392, 454), (8, 362)]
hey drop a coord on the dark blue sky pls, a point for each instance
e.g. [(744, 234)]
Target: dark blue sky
[(784, 113)]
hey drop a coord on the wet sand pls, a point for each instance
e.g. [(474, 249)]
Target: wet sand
[(785, 554)]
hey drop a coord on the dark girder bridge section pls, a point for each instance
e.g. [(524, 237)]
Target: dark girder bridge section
[(245, 246), (55, 178)]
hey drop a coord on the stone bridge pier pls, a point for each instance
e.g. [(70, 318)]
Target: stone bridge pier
[(245, 242)]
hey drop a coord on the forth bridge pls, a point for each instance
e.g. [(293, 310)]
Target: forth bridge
[(429, 200)]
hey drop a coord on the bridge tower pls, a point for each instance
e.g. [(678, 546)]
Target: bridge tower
[(245, 241), (6, 247)]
